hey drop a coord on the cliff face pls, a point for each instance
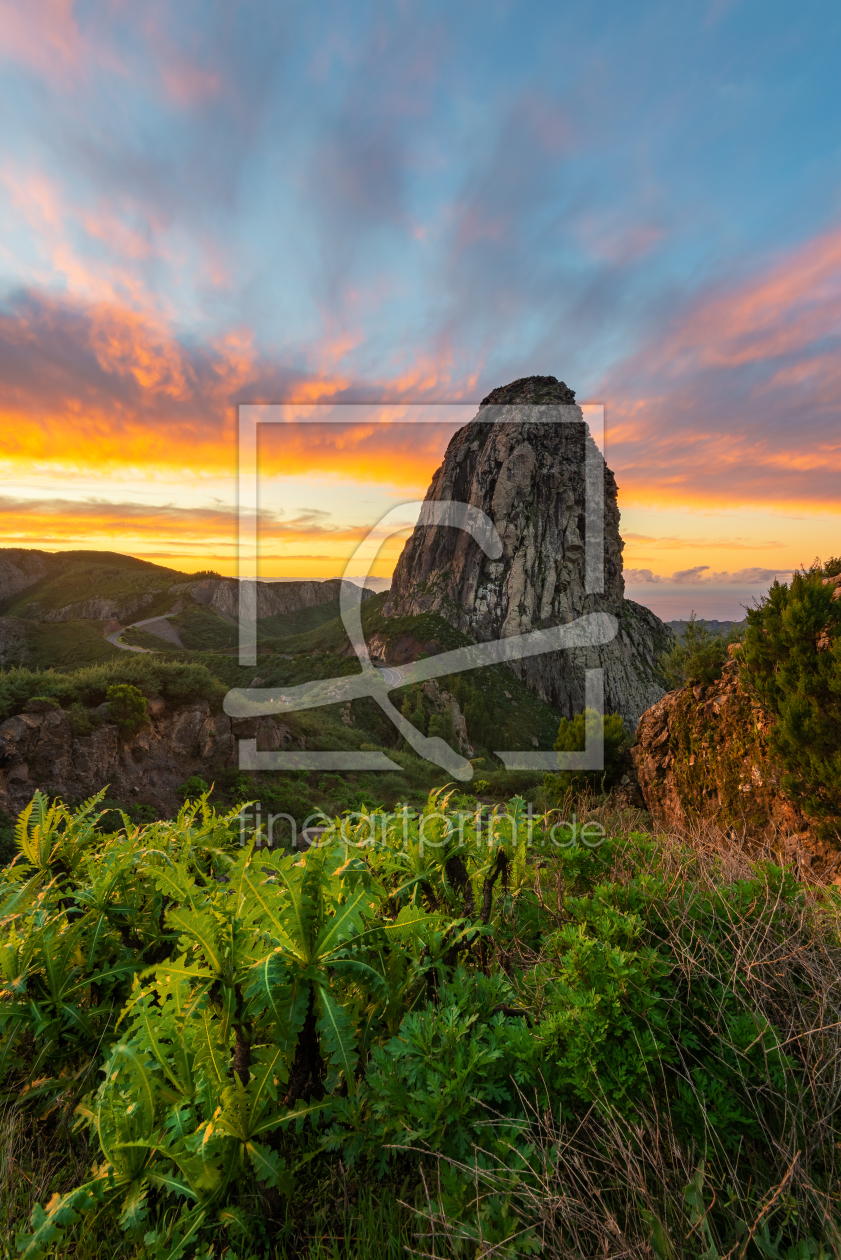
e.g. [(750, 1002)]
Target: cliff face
[(273, 598), (702, 755), (40, 750), (528, 477), (19, 569), (219, 593)]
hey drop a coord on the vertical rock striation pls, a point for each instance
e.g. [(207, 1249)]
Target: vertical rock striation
[(528, 477)]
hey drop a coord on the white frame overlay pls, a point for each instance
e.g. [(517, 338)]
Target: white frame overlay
[(588, 630)]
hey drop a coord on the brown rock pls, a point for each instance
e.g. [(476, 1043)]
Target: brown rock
[(708, 760), (39, 750)]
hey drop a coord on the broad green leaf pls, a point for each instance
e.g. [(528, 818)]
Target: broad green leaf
[(270, 988), (172, 1185), (335, 1027), (363, 974), (300, 1112), (269, 1167), (50, 1223), (347, 922), (267, 1064), (203, 929), (210, 1052), (135, 1208)]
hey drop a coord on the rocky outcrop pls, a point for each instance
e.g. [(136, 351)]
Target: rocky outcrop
[(40, 750), (273, 598), (20, 569), (445, 704), (529, 478), (702, 755), (123, 608)]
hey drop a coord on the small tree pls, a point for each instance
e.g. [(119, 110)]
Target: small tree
[(792, 665), (698, 656), (572, 737), (127, 706), (414, 710)]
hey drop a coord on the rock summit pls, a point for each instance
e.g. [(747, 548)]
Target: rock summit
[(528, 476)]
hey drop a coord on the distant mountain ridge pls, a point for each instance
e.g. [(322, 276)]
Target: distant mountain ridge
[(108, 586), (715, 627)]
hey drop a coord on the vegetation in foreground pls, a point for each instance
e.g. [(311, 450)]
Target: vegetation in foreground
[(789, 654), (451, 1034)]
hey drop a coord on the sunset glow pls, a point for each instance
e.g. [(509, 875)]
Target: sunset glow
[(178, 238)]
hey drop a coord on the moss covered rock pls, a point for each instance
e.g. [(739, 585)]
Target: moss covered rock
[(703, 755)]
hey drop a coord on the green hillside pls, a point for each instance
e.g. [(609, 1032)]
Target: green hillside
[(75, 664), (74, 576)]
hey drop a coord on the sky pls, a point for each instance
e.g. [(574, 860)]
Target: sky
[(204, 205)]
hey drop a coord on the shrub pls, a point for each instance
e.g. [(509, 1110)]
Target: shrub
[(177, 682), (42, 704), (572, 736), (450, 1067), (792, 665), (698, 656), (83, 721), (224, 1020), (194, 788), (127, 706)]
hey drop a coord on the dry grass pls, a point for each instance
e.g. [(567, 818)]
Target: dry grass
[(37, 1159), (601, 1186)]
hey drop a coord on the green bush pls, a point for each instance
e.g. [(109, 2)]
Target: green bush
[(83, 721), (127, 706), (792, 665), (441, 725), (572, 737), (42, 704), (450, 1067), (194, 788), (697, 656), (177, 682), (227, 1023)]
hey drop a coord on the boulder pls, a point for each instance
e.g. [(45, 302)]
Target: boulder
[(702, 755)]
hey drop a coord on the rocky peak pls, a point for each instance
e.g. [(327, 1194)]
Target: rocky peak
[(528, 476)]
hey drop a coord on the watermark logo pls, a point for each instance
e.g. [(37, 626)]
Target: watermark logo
[(432, 830), (589, 630)]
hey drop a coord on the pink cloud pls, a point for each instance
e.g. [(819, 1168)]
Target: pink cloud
[(43, 37), (738, 401)]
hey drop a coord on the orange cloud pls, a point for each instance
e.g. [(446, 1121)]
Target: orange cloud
[(103, 386), (204, 537)]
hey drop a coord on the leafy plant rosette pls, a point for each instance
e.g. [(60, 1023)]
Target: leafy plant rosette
[(427, 981)]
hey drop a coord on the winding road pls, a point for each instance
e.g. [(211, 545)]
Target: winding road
[(391, 676), (137, 625)]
